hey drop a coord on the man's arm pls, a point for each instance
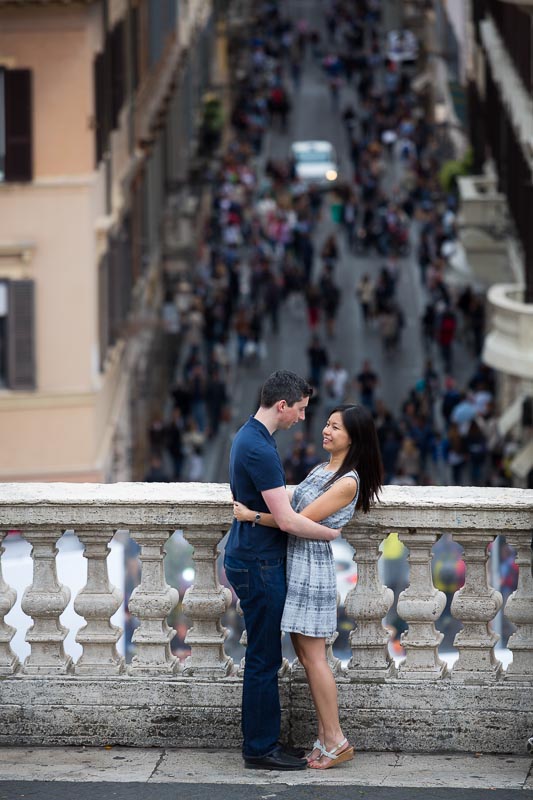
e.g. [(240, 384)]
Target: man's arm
[(288, 520)]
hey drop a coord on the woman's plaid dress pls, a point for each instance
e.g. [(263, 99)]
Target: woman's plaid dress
[(311, 602)]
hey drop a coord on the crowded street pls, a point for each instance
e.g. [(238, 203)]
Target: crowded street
[(259, 297)]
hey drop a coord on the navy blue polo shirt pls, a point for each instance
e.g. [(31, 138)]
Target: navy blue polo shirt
[(254, 467)]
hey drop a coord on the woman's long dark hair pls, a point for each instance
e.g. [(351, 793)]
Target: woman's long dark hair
[(363, 455)]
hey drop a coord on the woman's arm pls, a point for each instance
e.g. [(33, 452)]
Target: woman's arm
[(336, 497)]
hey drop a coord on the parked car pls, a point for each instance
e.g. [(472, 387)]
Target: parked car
[(402, 46), (315, 162)]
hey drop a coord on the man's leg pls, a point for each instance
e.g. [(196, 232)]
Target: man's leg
[(261, 589)]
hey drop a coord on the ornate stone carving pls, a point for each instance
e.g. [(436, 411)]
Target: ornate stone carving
[(420, 605), (475, 605), (368, 603), (205, 602), (152, 601), (519, 609), (97, 602), (44, 601), (9, 662)]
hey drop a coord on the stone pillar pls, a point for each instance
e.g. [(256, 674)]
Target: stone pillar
[(97, 602), (420, 605), (152, 601), (519, 609), (475, 605), (44, 601), (242, 641), (9, 662), (368, 603), (204, 603)]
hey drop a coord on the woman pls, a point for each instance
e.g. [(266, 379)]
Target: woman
[(331, 492)]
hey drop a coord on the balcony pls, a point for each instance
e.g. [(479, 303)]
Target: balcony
[(508, 345), (418, 705)]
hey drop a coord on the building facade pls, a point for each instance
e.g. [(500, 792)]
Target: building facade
[(501, 131), (98, 118)]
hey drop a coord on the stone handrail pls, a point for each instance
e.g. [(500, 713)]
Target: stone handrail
[(208, 679)]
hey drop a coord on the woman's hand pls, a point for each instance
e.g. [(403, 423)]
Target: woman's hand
[(242, 512)]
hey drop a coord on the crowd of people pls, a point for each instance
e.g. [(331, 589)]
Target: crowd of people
[(260, 254)]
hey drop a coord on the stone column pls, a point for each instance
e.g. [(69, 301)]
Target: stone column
[(368, 603), (420, 605), (9, 662), (152, 601), (97, 602), (204, 603), (44, 601), (475, 605), (519, 609)]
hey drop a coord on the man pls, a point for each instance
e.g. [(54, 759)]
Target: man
[(255, 563)]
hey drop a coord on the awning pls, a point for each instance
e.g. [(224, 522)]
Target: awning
[(421, 82), (522, 463), (512, 415)]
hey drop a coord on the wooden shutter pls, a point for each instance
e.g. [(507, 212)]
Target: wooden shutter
[(99, 110), (21, 335), (103, 308), (117, 71), (18, 114)]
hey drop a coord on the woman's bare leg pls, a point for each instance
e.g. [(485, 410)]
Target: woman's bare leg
[(312, 654), (315, 752)]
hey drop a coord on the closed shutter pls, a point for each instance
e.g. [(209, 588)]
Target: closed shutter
[(21, 335), (103, 308), (18, 121), (117, 72), (99, 110)]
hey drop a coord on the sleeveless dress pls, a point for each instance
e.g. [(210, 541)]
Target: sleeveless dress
[(311, 602)]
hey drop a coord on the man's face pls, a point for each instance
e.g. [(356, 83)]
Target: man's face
[(290, 415)]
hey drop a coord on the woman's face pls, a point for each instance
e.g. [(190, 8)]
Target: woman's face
[(335, 437)]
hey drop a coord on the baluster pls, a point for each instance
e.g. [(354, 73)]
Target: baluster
[(368, 603), (152, 601), (9, 662), (420, 605), (204, 603), (44, 601), (242, 641), (475, 605), (97, 602), (519, 608)]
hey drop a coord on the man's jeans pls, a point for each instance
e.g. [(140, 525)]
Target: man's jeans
[(261, 588)]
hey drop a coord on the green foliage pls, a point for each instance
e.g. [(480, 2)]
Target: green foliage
[(455, 168)]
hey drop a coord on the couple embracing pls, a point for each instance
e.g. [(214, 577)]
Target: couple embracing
[(287, 582)]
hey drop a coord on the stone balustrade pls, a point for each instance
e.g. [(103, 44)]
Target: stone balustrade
[(418, 705)]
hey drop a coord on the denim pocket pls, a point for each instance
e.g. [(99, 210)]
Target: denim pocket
[(240, 581)]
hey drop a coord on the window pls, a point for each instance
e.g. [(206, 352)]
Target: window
[(17, 316), (15, 125)]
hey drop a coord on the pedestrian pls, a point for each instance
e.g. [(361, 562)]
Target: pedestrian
[(156, 472), (174, 441), (365, 293), (255, 558), (331, 297), (367, 381), (332, 491), (446, 334), (335, 382), (318, 360)]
